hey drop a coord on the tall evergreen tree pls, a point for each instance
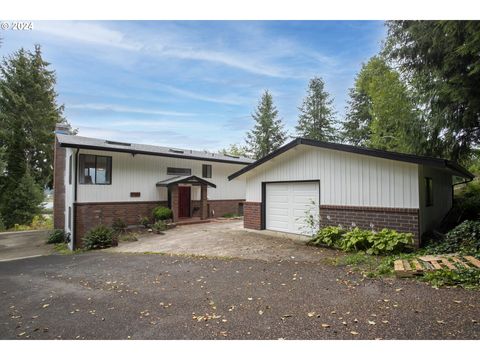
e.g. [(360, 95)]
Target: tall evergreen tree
[(267, 134), (356, 128), (441, 61), (28, 115), (381, 112), (317, 115)]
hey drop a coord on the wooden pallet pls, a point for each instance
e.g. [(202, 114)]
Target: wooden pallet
[(411, 267)]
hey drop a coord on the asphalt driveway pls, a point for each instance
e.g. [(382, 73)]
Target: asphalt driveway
[(226, 239), (24, 244), (103, 295)]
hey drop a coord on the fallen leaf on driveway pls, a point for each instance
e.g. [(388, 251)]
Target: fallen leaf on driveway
[(325, 325), (21, 334), (385, 321), (399, 289), (260, 312), (353, 332), (457, 301), (250, 299), (371, 322), (440, 321), (311, 314), (45, 305)]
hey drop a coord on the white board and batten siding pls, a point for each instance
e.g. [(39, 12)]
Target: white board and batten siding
[(345, 178), (140, 173)]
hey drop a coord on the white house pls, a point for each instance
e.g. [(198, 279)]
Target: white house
[(97, 181), (350, 186)]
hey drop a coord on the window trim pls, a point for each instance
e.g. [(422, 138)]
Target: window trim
[(206, 171), (428, 192), (170, 171), (96, 157)]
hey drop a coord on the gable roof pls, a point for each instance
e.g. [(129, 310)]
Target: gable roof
[(416, 159), (82, 142), (189, 179)]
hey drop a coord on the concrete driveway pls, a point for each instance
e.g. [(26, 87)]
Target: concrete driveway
[(226, 238), (24, 244)]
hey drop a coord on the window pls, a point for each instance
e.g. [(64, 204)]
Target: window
[(95, 169), (428, 191), (178, 171), (206, 171), (70, 170)]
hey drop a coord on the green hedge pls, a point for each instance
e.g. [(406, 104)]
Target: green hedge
[(162, 213), (385, 241), (99, 237)]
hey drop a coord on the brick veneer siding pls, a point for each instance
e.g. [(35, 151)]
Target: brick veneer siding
[(252, 215), (377, 218), (59, 186), (218, 208), (89, 215)]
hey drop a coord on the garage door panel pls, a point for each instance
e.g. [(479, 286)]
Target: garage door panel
[(287, 205)]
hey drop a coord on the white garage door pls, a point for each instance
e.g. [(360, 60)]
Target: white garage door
[(287, 203)]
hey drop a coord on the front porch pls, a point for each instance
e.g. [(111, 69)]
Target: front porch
[(185, 206)]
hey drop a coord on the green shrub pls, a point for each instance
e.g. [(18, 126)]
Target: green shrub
[(356, 239), (383, 242), (98, 238), (389, 241), (466, 278), (2, 225), (118, 225), (229, 215), (329, 236), (159, 226), (57, 236), (463, 238), (128, 237), (144, 220), (162, 213)]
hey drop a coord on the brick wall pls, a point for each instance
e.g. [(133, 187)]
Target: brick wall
[(59, 186), (252, 215), (219, 207), (89, 215), (377, 218)]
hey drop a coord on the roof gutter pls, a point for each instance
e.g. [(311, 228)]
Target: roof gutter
[(409, 158), (133, 152)]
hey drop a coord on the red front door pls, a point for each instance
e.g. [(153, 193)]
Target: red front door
[(184, 201)]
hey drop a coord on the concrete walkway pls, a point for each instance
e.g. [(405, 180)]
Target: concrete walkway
[(24, 244), (226, 239)]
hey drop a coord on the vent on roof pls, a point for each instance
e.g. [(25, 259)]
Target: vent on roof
[(232, 156), (177, 151), (117, 143)]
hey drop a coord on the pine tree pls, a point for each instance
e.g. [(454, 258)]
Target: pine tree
[(28, 115), (317, 115), (22, 203), (267, 134), (356, 128)]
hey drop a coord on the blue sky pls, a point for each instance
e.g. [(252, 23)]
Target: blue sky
[(193, 84)]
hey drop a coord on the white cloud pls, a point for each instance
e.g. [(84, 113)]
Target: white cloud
[(260, 57), (226, 99), (87, 32), (126, 109)]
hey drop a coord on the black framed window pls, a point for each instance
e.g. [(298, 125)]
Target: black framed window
[(428, 191), (206, 171), (70, 170), (178, 171), (95, 169)]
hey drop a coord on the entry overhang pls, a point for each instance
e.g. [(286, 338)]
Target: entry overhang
[(188, 179)]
